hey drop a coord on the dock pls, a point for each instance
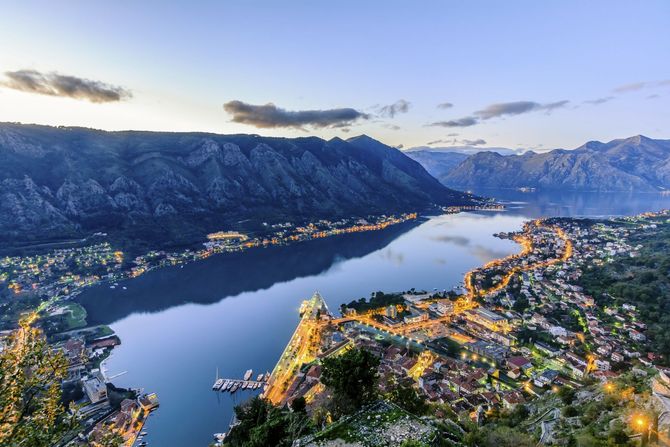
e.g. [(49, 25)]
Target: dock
[(233, 385)]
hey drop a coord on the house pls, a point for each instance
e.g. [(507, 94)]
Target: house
[(617, 357), (546, 378), (95, 388), (512, 399), (519, 362), (636, 335)]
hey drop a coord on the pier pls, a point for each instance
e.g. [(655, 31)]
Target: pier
[(239, 384), (246, 383)]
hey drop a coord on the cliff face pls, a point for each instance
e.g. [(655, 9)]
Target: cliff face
[(65, 182)]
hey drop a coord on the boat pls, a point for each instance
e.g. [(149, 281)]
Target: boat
[(218, 384), (266, 377), (235, 387), (259, 378), (225, 385), (230, 385), (247, 375), (143, 433)]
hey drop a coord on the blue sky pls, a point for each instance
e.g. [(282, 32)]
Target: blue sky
[(179, 63)]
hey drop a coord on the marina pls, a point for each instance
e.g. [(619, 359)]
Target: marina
[(232, 385)]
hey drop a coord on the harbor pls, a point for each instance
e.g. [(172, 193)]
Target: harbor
[(245, 383)]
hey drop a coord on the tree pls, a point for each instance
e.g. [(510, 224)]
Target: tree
[(566, 394), (107, 437), (262, 424), (31, 412), (407, 398), (352, 378), (299, 405)]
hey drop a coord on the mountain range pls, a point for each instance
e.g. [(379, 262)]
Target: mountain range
[(631, 164), (173, 188)]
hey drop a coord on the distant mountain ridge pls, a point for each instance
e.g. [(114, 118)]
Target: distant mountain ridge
[(176, 187), (631, 164)]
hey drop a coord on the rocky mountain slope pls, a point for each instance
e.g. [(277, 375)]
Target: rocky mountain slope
[(164, 187), (438, 163), (632, 164)]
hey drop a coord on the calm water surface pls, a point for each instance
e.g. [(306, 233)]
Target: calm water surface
[(235, 312)]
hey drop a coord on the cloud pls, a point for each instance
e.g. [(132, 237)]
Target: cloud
[(635, 86), (632, 87), (550, 107), (452, 134), (391, 110), (461, 241), (391, 126), (270, 116), (485, 254), (55, 84), (460, 122), (400, 146), (477, 142), (455, 142), (445, 105), (654, 96), (517, 108), (397, 258), (598, 101)]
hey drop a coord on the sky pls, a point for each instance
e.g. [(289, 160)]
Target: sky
[(518, 74)]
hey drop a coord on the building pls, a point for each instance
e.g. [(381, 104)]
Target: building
[(95, 388), (416, 317), (488, 319), (391, 312)]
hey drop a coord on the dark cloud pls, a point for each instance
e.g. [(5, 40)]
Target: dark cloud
[(269, 116), (654, 96), (517, 108), (452, 134), (400, 146), (460, 122), (430, 143), (477, 142), (445, 105), (598, 101), (54, 84), (391, 110)]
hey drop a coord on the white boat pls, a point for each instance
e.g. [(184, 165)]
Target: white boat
[(217, 384), (247, 375), (225, 385), (259, 378)]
